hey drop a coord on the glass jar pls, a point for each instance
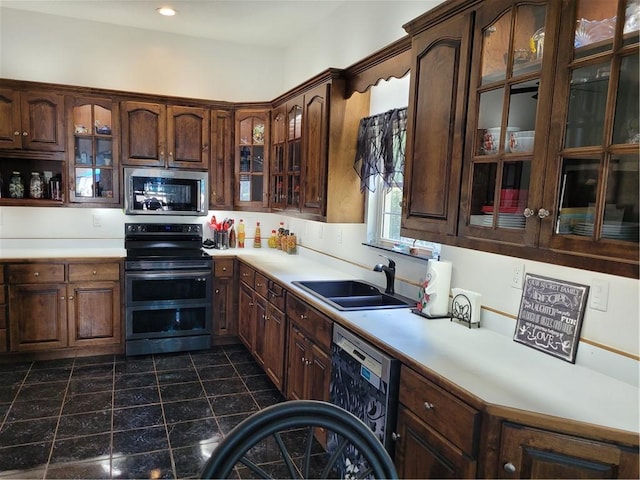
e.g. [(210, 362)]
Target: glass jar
[(36, 186), (16, 187)]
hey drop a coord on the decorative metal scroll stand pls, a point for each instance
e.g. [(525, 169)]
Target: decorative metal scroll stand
[(461, 309)]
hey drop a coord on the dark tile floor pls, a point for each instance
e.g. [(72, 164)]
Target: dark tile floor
[(157, 416)]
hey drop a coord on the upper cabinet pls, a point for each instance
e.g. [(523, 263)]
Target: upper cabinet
[(158, 135), (31, 120), (251, 159), (92, 158), (313, 149), (221, 161), (546, 164)]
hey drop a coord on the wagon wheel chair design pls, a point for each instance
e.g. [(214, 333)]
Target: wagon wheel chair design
[(271, 425)]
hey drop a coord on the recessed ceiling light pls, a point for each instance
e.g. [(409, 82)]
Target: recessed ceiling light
[(166, 11)]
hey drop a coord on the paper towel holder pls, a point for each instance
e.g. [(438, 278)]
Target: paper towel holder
[(462, 310)]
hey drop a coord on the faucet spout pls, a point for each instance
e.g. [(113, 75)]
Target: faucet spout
[(389, 272)]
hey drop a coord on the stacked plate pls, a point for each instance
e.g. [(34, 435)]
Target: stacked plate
[(505, 220), (622, 231)]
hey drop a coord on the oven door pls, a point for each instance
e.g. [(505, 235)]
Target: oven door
[(168, 311)]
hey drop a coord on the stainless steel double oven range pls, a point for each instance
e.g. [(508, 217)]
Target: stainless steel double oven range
[(168, 288)]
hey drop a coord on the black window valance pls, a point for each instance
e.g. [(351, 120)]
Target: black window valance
[(380, 148)]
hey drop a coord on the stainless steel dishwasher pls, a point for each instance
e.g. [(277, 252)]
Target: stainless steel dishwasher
[(364, 381)]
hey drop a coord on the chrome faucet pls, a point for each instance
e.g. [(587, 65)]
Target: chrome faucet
[(390, 273)]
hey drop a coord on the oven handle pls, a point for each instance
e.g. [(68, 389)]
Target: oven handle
[(155, 275)]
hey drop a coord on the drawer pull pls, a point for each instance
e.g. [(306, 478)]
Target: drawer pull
[(251, 304), (428, 406), (395, 436), (36, 274), (303, 316), (509, 467), (217, 290), (258, 285), (94, 273), (224, 269)]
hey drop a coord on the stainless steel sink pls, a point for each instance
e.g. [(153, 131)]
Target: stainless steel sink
[(352, 295)]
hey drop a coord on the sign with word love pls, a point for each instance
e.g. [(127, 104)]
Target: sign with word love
[(550, 316)]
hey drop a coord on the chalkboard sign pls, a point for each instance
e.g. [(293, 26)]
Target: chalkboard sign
[(550, 316)]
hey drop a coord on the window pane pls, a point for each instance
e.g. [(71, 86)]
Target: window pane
[(627, 128)]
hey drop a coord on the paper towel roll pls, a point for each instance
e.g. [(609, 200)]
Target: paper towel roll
[(435, 294)]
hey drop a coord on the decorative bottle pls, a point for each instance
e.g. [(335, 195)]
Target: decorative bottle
[(257, 239), (36, 186), (241, 234), (16, 187), (232, 236)]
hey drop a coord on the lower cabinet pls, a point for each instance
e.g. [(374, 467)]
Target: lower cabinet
[(308, 358), (66, 304), (225, 320), (527, 452), (3, 312), (437, 432)]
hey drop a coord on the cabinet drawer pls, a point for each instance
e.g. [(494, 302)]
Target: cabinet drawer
[(315, 324), (2, 295), (36, 273), (261, 284), (275, 295), (247, 274), (79, 272), (223, 268), (450, 416), (3, 317)]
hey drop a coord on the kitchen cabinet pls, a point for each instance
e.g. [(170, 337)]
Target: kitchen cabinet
[(314, 131), (158, 135), (3, 312), (64, 304), (437, 432), (221, 161), (308, 360), (32, 120), (246, 327), (534, 141), (225, 321), (251, 159), (93, 162), (534, 453)]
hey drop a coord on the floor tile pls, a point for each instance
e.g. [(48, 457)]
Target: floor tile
[(140, 440), (217, 372), (190, 460), (181, 391), (135, 365), (135, 380), (27, 431), (97, 469), (38, 391), (173, 362), (137, 417), (90, 385), (229, 422), (224, 386), (136, 396), (48, 375), (210, 359), (245, 369), (77, 449), (83, 424), (268, 397), (257, 383), (13, 379), (195, 432), (183, 375), (94, 360), (45, 407), (56, 363), (92, 371), (147, 465), (187, 410), (7, 394), (24, 457), (236, 403), (87, 402), (240, 356)]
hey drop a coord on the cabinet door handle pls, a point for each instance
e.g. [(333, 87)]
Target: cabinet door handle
[(217, 290), (395, 436), (304, 360), (509, 467), (528, 212), (251, 304), (543, 213), (24, 134), (63, 298), (36, 274), (258, 285), (70, 298), (94, 273), (16, 133), (224, 269), (303, 316), (428, 406)]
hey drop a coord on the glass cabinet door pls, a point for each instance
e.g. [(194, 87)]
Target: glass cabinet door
[(250, 166), (294, 155), (506, 95), (278, 136), (93, 166), (596, 199)]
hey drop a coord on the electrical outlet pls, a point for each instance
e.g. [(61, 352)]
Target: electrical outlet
[(339, 236), (599, 295), (517, 276), (97, 221)]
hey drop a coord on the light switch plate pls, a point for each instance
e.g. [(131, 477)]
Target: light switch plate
[(599, 295), (517, 276)]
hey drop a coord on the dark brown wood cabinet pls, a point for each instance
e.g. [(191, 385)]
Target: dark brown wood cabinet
[(32, 120), (516, 137), (221, 160), (64, 304), (308, 362), (534, 453), (3, 312), (251, 174), (225, 319), (246, 327), (437, 432), (158, 135)]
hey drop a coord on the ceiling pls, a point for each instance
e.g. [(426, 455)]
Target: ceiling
[(268, 23)]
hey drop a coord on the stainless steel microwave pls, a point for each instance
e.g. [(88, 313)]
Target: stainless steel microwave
[(162, 191)]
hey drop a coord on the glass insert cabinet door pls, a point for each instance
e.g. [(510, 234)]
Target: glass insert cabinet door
[(505, 94), (251, 155), (596, 170), (93, 163)]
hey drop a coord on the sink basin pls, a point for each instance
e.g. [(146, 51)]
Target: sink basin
[(352, 295)]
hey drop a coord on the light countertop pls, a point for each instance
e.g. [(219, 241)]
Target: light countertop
[(482, 362)]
